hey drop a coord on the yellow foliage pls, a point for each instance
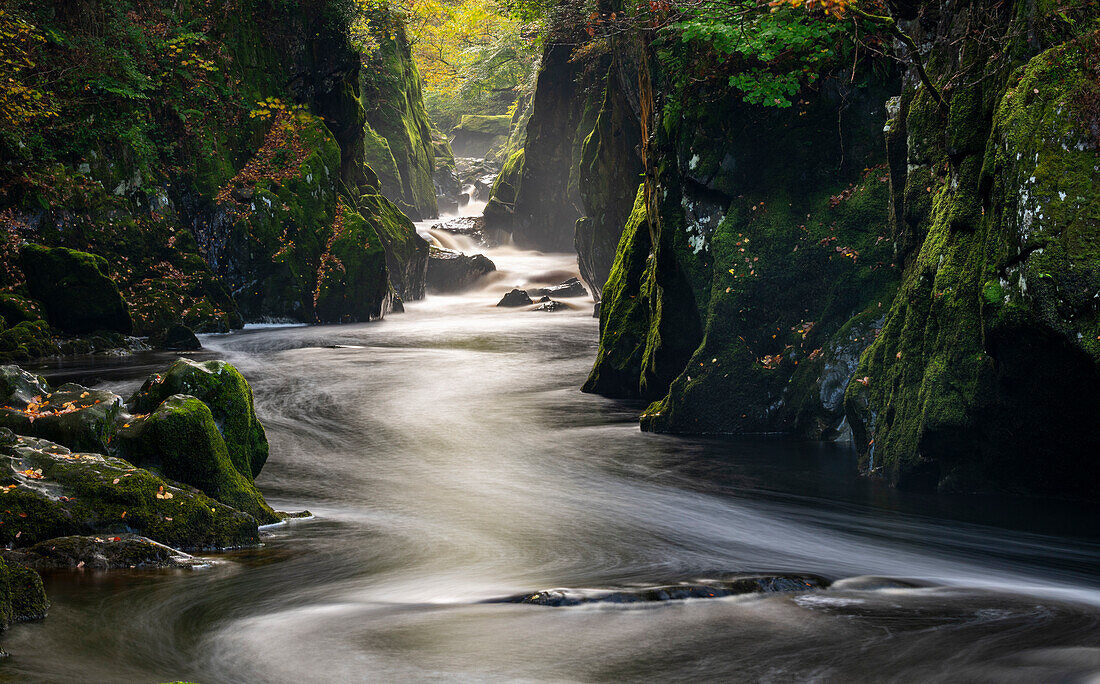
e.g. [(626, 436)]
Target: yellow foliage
[(20, 102)]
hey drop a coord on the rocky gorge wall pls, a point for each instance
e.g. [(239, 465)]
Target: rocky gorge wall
[(863, 266), (216, 155)]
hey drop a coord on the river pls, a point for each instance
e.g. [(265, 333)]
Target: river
[(449, 459)]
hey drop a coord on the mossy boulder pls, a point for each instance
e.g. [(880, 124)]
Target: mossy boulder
[(26, 341), (226, 393), (22, 596), (76, 289), (180, 441), (52, 492)]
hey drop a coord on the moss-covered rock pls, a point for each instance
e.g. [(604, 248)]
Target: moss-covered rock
[(609, 169), (27, 340), (22, 596), (986, 371), (624, 314), (228, 396), (545, 184), (76, 289), (180, 440), (406, 252), (53, 492), (352, 282), (15, 309)]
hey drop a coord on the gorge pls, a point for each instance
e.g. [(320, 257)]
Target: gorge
[(709, 340)]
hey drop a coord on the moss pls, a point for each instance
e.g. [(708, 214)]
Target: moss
[(352, 280), (226, 393), (624, 314), (93, 553), (406, 251), (15, 309), (392, 99), (22, 596), (977, 378), (76, 289), (180, 440), (79, 494), (26, 341)]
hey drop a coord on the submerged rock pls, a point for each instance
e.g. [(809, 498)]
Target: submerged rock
[(468, 226), (753, 584), (515, 298), (451, 271), (97, 553), (54, 492)]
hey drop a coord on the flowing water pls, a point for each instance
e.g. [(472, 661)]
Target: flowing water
[(449, 459)]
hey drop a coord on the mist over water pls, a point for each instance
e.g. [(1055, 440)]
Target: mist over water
[(449, 459)]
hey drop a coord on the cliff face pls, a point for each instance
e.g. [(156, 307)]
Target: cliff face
[(398, 141), (213, 154), (930, 293), (986, 370), (539, 200)]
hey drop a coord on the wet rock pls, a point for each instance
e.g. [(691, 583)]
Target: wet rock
[(55, 492), (19, 388), (515, 298), (544, 298), (551, 305), (97, 553), (78, 417), (181, 338), (570, 288), (596, 310), (470, 226), (228, 395), (396, 305), (76, 289), (451, 271), (761, 584)]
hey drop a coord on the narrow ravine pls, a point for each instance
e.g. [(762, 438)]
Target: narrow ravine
[(449, 460)]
